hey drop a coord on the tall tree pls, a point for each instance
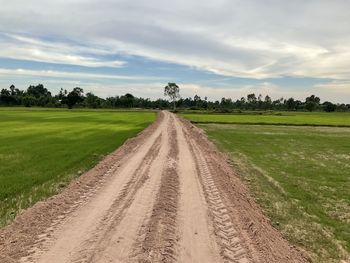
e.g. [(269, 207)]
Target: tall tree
[(173, 92), (312, 102), (329, 106), (267, 102), (74, 97), (92, 101), (291, 104), (5, 96), (38, 91), (251, 98)]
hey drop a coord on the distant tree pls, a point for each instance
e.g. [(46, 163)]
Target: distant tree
[(62, 94), (92, 101), (38, 91), (312, 102), (291, 104), (196, 98), (28, 101), (252, 101), (242, 102), (267, 102), (329, 106), (313, 98), (74, 97), (298, 104), (13, 90), (226, 104), (173, 92), (278, 104), (310, 105), (127, 101), (251, 98), (128, 95), (343, 107), (5, 96), (260, 102)]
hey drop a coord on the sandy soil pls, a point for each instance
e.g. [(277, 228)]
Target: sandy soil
[(167, 195)]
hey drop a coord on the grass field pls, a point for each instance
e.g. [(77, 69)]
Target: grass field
[(283, 118), (299, 175), (41, 150)]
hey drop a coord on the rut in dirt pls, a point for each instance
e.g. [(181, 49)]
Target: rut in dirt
[(166, 196)]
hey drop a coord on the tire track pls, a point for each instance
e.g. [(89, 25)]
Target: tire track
[(112, 216), (79, 238), (116, 212), (158, 237), (231, 246), (197, 242)]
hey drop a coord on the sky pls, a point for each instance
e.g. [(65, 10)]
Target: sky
[(213, 48)]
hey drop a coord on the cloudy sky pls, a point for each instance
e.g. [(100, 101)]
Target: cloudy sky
[(214, 48)]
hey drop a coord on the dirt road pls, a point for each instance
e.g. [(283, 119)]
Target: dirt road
[(166, 196)]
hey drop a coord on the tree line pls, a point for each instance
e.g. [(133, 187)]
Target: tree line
[(39, 96)]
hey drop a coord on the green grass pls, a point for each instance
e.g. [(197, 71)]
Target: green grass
[(299, 175), (42, 150), (281, 118)]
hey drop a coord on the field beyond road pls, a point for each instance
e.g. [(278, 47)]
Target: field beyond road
[(340, 119), (300, 176), (42, 150)]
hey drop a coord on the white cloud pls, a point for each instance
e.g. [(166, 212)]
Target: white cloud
[(69, 75), (25, 48)]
